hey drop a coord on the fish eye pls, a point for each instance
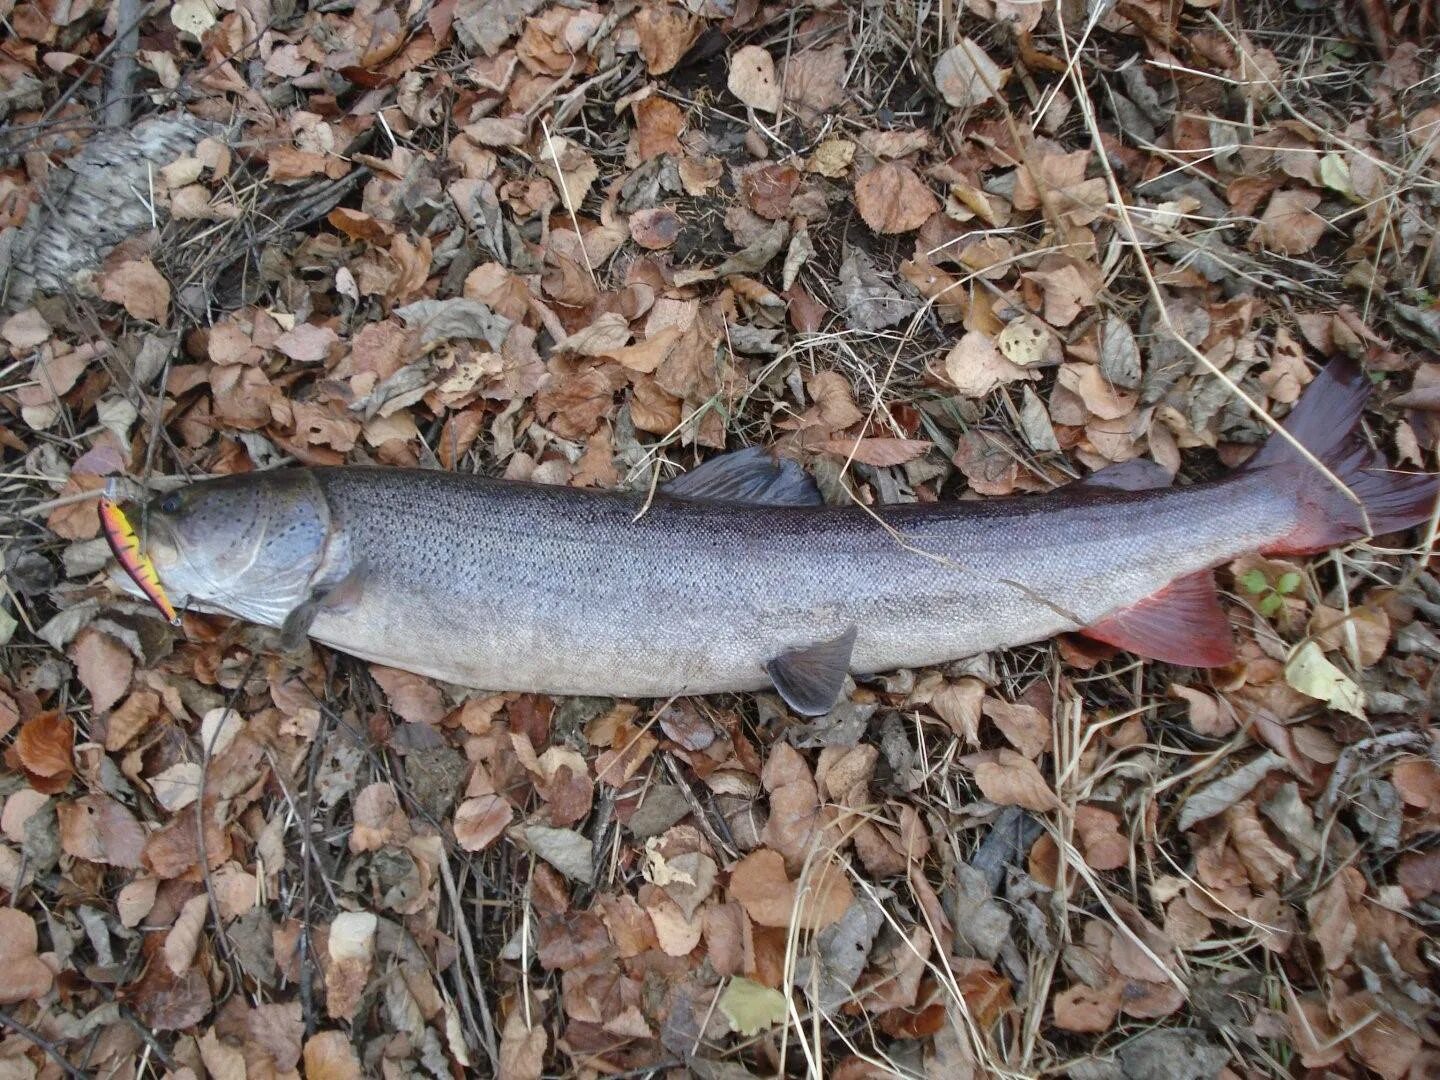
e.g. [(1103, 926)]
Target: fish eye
[(170, 504)]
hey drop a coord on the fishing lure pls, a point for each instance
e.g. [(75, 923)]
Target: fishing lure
[(125, 543)]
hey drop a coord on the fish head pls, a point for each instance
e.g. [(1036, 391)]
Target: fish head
[(248, 545)]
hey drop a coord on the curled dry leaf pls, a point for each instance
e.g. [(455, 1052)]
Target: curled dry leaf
[(184, 937), (892, 199), (752, 79)]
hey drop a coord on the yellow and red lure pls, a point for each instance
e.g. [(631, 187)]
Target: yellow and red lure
[(125, 543)]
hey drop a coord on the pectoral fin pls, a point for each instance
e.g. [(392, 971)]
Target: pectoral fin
[(1183, 623), (337, 598), (753, 475), (1137, 474), (811, 679)]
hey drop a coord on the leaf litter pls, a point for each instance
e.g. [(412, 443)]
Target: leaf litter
[(588, 244)]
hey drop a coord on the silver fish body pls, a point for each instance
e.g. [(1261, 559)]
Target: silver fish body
[(516, 586)]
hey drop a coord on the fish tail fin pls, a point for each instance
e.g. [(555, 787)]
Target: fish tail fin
[(1375, 499)]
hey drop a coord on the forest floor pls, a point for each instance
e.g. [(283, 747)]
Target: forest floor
[(932, 251)]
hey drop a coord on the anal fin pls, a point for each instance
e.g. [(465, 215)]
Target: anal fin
[(1183, 623), (811, 679)]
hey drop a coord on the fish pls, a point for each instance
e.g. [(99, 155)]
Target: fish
[(736, 576)]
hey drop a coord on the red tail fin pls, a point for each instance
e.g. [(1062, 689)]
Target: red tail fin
[(1326, 421)]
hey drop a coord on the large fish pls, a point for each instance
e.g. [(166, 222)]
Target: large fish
[(737, 577)]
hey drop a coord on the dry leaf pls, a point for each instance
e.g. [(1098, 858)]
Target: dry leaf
[(522, 1049), (480, 821), (184, 937), (414, 698), (44, 745), (975, 366), (877, 452), (1290, 225), (104, 666), (329, 1056), (1011, 779), (178, 786), (1087, 1010), (101, 830), (892, 199), (1024, 726), (139, 288), (752, 79), (762, 887), (655, 229), (26, 976), (966, 76), (959, 704), (1026, 341)]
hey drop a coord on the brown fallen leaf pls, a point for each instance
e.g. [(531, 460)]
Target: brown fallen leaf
[(752, 79), (97, 828), (1011, 779), (183, 937), (975, 366), (139, 288), (522, 1049), (414, 698), (877, 452), (1290, 225), (45, 744), (658, 124), (329, 1056), (665, 33), (480, 821), (966, 76), (104, 666), (26, 976), (655, 229), (1086, 1009), (892, 199), (762, 887), (1024, 726)]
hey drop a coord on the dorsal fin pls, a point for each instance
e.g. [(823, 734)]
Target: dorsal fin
[(811, 679), (1183, 623), (1137, 474), (752, 475)]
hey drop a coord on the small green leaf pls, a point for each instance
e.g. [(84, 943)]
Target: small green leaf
[(750, 1007), (1270, 604), (1253, 581), (1288, 583)]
